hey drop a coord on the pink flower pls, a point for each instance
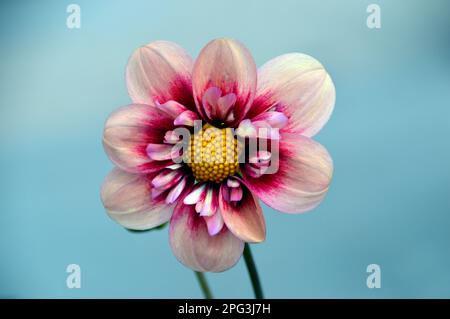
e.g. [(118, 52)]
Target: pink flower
[(211, 201)]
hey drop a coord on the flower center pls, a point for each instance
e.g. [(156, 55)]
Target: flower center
[(213, 153)]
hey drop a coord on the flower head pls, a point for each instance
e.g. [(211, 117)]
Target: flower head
[(204, 140)]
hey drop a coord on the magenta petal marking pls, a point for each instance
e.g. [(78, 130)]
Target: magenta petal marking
[(272, 118), (214, 223), (176, 191), (196, 195), (236, 194), (186, 118)]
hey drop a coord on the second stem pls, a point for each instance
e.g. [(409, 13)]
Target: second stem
[(253, 272)]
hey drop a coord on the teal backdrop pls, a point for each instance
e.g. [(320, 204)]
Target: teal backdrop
[(389, 201)]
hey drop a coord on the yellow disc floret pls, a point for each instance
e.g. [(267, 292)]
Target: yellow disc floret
[(213, 154)]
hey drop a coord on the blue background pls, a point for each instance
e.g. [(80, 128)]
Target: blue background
[(389, 201)]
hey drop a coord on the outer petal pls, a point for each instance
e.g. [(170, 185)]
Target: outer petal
[(229, 66), (299, 86), (127, 199), (127, 133), (244, 218), (160, 71), (195, 248), (302, 180)]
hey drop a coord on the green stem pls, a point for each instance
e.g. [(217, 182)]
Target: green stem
[(253, 272), (204, 285)]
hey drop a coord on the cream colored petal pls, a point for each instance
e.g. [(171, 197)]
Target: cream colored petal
[(127, 200), (300, 87)]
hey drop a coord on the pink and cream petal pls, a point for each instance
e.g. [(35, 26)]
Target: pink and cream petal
[(171, 137), (176, 191), (224, 105), (186, 118), (298, 86), (272, 118), (196, 195), (232, 182), (164, 152), (194, 247), (172, 108), (127, 133), (227, 67), (199, 206), (246, 129), (236, 194), (158, 72), (209, 101), (210, 202), (214, 223), (166, 178), (302, 179), (127, 200), (244, 218), (260, 129)]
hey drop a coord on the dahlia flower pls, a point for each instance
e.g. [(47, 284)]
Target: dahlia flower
[(207, 184)]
